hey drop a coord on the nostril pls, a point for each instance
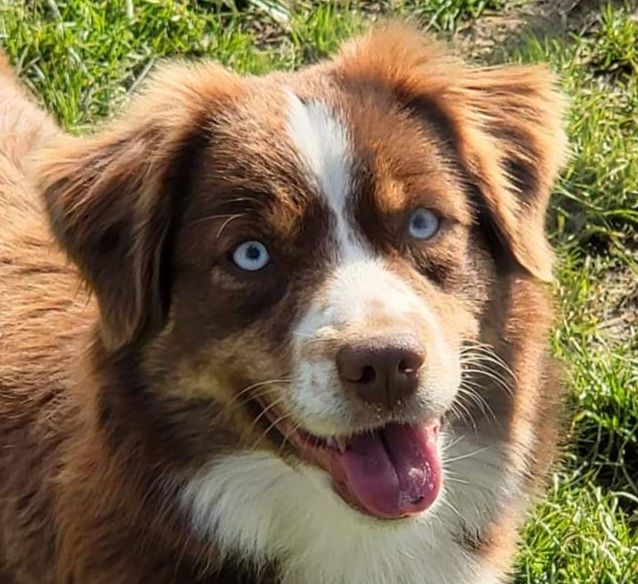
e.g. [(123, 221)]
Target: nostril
[(405, 368), (368, 375), (410, 366), (381, 370), (354, 367)]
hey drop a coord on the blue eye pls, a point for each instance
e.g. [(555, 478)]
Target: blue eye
[(424, 224), (251, 256)]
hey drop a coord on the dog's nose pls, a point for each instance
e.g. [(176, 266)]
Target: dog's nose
[(381, 370)]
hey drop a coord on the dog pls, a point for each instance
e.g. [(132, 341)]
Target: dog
[(290, 328)]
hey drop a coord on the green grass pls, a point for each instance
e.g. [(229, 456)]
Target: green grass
[(84, 57)]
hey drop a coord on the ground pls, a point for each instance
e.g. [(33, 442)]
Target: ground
[(84, 57)]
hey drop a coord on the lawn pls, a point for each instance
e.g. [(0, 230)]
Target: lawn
[(84, 57)]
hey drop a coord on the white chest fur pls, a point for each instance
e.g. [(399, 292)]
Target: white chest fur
[(256, 506)]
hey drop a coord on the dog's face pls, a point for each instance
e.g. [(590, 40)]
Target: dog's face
[(332, 272), (317, 253)]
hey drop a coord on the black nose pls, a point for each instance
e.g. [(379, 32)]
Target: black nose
[(382, 370)]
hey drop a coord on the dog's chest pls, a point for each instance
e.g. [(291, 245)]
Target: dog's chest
[(261, 511)]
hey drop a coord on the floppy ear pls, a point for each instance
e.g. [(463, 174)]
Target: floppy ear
[(115, 198), (504, 126), (510, 135)]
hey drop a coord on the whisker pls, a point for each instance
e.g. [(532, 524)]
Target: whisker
[(487, 365), (270, 427), (235, 404), (451, 507), (210, 218), (490, 375), (466, 456), (247, 394), (236, 200), (487, 353), (456, 480), (264, 412), (452, 444), (226, 223), (469, 419), (469, 391), (287, 435)]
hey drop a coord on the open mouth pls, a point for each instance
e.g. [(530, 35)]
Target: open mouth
[(391, 472)]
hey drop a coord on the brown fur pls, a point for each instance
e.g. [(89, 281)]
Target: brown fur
[(110, 402)]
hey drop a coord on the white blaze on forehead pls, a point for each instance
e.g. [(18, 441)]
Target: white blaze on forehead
[(361, 289), (322, 142), (323, 146)]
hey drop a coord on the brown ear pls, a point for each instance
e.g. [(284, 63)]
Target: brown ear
[(115, 199), (510, 133), (505, 126)]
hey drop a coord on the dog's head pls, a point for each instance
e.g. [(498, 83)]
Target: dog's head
[(314, 252)]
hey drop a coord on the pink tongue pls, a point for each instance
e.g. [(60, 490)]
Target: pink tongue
[(393, 472)]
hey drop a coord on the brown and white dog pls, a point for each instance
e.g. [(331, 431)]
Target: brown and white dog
[(318, 351)]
